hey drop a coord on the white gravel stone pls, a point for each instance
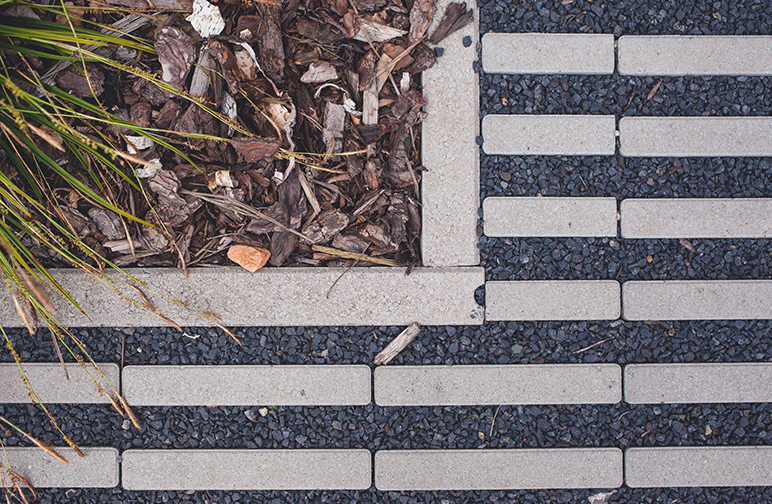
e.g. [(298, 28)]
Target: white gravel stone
[(560, 217), (548, 53), (549, 135)]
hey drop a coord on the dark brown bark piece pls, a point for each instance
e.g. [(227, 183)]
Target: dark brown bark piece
[(73, 81), (349, 243), (185, 5), (255, 149), (456, 16), (322, 33), (167, 116), (326, 226), (175, 53), (140, 113), (271, 47), (248, 28), (421, 16), (225, 58), (397, 216), (369, 5), (423, 59)]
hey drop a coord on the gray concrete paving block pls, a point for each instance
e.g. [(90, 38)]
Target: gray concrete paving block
[(694, 55), (284, 385), (552, 300), (524, 216), (273, 297), (548, 53), (695, 136), (98, 469), (492, 384), (450, 188), (51, 385), (549, 135), (747, 382), (696, 218), (698, 466), (498, 469), (246, 469), (697, 300)]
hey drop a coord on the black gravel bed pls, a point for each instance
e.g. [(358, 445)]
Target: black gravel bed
[(630, 17), (746, 495), (625, 178), (492, 343), (623, 260), (621, 95), (401, 428)]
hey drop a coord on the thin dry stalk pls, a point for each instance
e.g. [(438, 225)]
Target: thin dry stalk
[(128, 411), (397, 344), (353, 255)]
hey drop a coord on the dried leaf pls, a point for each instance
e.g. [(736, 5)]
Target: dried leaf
[(654, 90), (248, 257), (686, 243), (601, 498), (376, 32)]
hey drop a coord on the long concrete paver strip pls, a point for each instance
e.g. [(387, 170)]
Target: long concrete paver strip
[(450, 188), (98, 469), (548, 53), (746, 382), (492, 384), (697, 300), (559, 217), (51, 385), (498, 469), (694, 55), (696, 218), (284, 385), (695, 136), (246, 469), (273, 297), (552, 300), (698, 466), (549, 135)]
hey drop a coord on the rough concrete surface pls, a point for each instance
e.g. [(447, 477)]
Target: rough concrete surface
[(695, 136), (274, 297), (548, 53), (694, 55), (697, 300), (735, 382), (451, 185), (696, 218), (559, 217), (492, 384), (549, 135), (246, 385), (552, 300), (98, 469), (246, 469), (51, 385), (698, 466), (498, 469)]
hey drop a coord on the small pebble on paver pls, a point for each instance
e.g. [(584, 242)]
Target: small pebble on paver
[(495, 469), (696, 218), (698, 466), (559, 135), (548, 53), (748, 382), (550, 216), (694, 55), (695, 136), (246, 469), (697, 300), (97, 469), (246, 385), (51, 385), (491, 384), (552, 300)]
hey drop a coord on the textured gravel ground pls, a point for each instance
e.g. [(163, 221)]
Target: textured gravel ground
[(620, 425)]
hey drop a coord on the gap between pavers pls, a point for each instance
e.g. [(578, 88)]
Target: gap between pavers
[(51, 385), (274, 297)]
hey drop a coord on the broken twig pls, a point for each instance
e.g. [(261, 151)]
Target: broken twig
[(397, 344)]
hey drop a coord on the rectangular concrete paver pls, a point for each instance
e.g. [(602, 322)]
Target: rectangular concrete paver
[(552, 300), (273, 297), (698, 466), (746, 382), (695, 55), (498, 469), (450, 187), (98, 469), (492, 384), (285, 385), (523, 216), (549, 135), (548, 53), (246, 469), (696, 218), (51, 385), (695, 136), (697, 299)]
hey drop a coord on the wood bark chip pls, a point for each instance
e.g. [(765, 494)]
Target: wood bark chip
[(175, 53), (255, 149), (456, 16), (421, 16), (397, 345)]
